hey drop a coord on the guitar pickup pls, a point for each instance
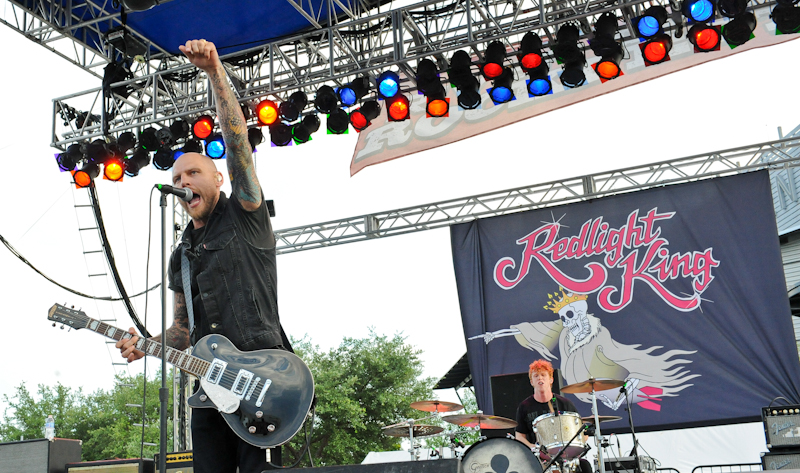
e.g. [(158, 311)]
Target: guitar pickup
[(242, 382), (215, 371)]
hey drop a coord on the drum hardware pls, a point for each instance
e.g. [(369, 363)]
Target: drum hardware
[(410, 430)]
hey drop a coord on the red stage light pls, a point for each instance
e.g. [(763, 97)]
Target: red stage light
[(398, 109), (267, 112), (705, 38), (358, 120), (531, 61), (85, 176), (202, 127), (655, 52), (438, 107), (113, 170), (608, 70), (492, 70)]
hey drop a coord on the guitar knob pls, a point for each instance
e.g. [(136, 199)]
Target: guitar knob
[(252, 429), (259, 414), (271, 427)]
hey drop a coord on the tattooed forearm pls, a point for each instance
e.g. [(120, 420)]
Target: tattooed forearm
[(234, 130), (178, 333)]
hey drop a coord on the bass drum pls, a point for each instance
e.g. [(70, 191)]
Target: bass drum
[(500, 455)]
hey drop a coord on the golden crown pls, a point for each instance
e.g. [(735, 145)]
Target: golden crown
[(557, 301)]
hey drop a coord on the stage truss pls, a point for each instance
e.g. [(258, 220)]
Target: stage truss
[(165, 87), (779, 154)]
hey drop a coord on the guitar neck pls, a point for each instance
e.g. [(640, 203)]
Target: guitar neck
[(188, 363)]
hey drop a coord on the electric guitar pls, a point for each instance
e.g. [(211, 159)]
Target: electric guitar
[(263, 395)]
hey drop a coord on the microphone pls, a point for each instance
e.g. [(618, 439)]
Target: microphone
[(555, 405), (622, 390), (184, 193)]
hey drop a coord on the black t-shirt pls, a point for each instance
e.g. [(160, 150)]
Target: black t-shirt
[(530, 409), (256, 229)]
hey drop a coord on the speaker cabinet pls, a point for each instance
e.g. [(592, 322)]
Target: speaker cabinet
[(781, 426), (508, 392), (781, 461), (177, 462), (39, 455), (130, 465)]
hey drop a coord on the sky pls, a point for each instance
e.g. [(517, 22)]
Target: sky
[(403, 284)]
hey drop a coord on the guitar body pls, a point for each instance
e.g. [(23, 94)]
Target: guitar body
[(266, 417)]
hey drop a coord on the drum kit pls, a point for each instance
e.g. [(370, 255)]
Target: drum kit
[(560, 443)]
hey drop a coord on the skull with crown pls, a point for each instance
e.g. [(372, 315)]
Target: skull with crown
[(572, 310)]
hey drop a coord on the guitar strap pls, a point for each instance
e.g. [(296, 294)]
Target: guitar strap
[(186, 276)]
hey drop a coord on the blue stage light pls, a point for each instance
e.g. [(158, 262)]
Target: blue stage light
[(347, 96), (388, 84), (698, 10), (501, 87), (648, 26), (501, 94), (539, 87), (215, 147)]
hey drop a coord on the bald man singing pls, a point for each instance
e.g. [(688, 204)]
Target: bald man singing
[(230, 249)]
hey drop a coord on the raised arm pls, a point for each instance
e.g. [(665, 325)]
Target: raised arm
[(244, 183)]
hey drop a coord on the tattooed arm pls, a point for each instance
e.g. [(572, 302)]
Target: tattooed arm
[(241, 168), (177, 334)]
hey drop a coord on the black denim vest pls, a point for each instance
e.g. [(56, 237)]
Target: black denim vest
[(237, 282)]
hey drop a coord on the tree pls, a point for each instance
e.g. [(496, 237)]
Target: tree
[(361, 386), (104, 421)]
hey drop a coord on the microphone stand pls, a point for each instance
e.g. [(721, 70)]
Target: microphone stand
[(635, 451), (163, 393)]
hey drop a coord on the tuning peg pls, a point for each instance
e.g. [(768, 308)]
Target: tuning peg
[(62, 327), (54, 324)]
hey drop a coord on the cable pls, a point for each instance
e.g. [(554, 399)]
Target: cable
[(306, 446), (73, 291)]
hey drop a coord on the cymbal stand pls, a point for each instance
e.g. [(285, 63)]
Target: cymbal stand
[(635, 451), (413, 450), (598, 438)]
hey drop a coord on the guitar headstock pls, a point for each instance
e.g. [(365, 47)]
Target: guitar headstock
[(70, 317)]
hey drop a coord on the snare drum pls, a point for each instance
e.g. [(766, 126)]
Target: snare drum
[(554, 431), (499, 454)]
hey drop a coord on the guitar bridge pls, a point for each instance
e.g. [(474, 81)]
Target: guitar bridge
[(215, 371)]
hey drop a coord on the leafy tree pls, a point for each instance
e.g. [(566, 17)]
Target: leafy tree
[(361, 386), (103, 420)]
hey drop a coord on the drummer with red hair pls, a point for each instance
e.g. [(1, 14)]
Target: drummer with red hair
[(543, 401)]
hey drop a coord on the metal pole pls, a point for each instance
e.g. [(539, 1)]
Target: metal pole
[(163, 393), (598, 438)]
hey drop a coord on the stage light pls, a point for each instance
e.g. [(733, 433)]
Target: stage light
[(501, 91), (114, 169), (86, 175), (740, 29), (571, 55), (165, 139), (398, 109), (731, 8), (290, 110), (362, 118), (606, 47), (179, 129), (164, 159), (786, 17), (255, 137), (97, 152), (651, 22), (460, 75), (704, 38), (192, 146), (429, 84), (139, 5), (350, 93), (202, 127), (126, 141), (657, 49), (266, 112), (494, 56), (338, 122), (215, 147), (326, 100), (698, 10), (139, 160), (532, 63), (388, 85), (68, 160), (539, 87), (280, 134), (302, 131)]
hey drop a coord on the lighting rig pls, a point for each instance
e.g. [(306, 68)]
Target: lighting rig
[(359, 102)]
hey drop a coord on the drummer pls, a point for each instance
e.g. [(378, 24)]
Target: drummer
[(543, 401)]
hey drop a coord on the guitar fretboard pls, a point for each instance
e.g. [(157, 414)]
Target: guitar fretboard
[(190, 364)]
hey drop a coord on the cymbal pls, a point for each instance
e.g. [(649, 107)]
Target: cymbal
[(420, 430), (436, 406), (586, 386), (482, 420), (601, 418)]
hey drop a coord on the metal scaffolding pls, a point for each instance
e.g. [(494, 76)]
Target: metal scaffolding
[(166, 87), (779, 154)]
